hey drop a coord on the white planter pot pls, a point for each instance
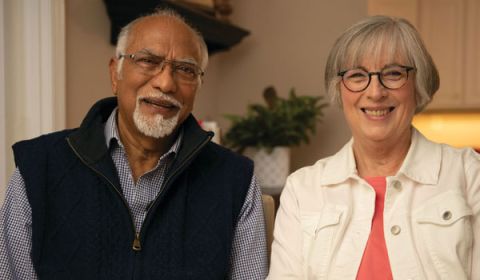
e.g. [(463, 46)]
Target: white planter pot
[(271, 169)]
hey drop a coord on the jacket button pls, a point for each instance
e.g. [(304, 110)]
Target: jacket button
[(395, 230), (397, 185), (447, 215)]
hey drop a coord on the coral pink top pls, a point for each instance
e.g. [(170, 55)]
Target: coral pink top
[(375, 264)]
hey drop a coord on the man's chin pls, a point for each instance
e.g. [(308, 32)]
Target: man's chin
[(157, 126)]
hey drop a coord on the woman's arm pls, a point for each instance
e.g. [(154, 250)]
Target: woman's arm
[(286, 258)]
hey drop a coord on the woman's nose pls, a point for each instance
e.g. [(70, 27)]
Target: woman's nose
[(376, 90)]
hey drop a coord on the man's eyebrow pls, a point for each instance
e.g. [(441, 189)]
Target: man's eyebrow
[(149, 52), (190, 60), (187, 60)]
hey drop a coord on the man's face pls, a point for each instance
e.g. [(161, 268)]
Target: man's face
[(155, 105)]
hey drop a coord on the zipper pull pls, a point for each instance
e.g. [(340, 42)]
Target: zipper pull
[(136, 243)]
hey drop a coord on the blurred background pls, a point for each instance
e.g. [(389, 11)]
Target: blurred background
[(54, 58)]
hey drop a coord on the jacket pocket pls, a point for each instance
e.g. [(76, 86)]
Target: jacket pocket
[(444, 225), (319, 232)]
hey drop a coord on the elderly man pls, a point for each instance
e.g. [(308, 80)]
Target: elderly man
[(138, 191)]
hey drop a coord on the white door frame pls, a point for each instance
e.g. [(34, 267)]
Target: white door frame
[(3, 132), (44, 26), (39, 87)]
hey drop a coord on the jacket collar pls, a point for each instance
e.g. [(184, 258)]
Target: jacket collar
[(423, 160), (422, 163), (340, 166), (88, 140)]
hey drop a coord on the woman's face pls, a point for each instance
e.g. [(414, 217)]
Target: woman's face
[(377, 113)]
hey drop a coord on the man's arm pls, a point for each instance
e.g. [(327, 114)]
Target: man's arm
[(16, 232), (249, 258)]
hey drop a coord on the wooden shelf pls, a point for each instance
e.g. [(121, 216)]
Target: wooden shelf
[(219, 35)]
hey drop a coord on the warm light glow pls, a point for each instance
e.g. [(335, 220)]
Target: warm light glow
[(456, 129)]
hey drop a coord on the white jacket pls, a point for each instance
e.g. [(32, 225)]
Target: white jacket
[(431, 217)]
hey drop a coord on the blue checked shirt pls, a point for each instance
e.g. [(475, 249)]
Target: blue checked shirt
[(248, 258)]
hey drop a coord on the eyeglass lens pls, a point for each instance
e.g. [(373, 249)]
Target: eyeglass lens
[(392, 77), (152, 65)]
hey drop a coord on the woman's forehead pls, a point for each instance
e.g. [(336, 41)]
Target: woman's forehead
[(376, 57), (381, 44)]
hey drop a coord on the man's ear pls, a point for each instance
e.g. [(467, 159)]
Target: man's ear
[(113, 74)]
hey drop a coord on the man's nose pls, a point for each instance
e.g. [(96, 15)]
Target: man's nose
[(164, 80)]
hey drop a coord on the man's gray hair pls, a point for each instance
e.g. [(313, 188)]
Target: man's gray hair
[(123, 37), (376, 36)]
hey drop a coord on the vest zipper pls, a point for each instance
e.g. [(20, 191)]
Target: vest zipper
[(167, 180), (136, 246)]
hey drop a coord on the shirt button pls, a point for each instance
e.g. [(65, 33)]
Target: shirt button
[(447, 215), (395, 230), (397, 185)]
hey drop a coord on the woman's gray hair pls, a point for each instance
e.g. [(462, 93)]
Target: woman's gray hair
[(375, 37), (123, 37)]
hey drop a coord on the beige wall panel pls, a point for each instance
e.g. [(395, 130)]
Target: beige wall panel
[(397, 8), (88, 54)]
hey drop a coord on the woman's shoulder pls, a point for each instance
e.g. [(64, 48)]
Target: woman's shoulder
[(445, 153), (311, 176), (467, 155), (312, 169)]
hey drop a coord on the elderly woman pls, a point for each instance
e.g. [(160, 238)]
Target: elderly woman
[(390, 204)]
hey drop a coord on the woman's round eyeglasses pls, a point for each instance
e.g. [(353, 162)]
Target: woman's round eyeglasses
[(391, 77)]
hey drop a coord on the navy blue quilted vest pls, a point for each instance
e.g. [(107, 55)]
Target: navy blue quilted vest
[(82, 228)]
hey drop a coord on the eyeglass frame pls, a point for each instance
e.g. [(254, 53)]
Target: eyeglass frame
[(378, 73), (198, 71)]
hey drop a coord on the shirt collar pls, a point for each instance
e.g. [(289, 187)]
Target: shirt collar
[(422, 163), (111, 134)]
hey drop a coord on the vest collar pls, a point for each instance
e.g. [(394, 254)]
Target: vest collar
[(88, 141)]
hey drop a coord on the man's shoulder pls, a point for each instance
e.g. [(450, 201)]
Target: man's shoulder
[(40, 146), (46, 139), (215, 159), (226, 154)]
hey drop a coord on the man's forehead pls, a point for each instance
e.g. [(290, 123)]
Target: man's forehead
[(164, 36)]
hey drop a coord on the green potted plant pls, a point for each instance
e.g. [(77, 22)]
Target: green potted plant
[(266, 132)]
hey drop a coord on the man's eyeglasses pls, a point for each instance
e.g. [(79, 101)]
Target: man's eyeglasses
[(391, 77), (151, 65)]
